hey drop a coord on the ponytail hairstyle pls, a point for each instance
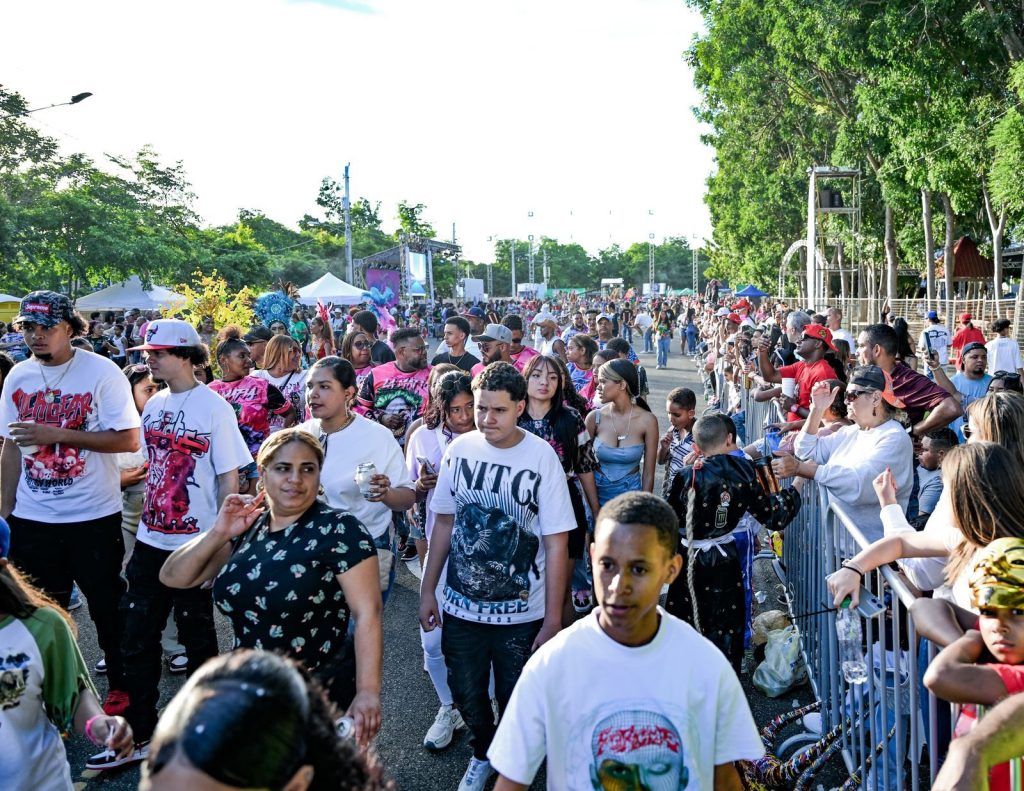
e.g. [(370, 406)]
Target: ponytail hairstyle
[(229, 340), (624, 371), (252, 719)]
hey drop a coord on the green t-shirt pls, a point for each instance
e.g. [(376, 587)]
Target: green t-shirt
[(42, 674)]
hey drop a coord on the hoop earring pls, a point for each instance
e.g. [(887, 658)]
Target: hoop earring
[(259, 486), (321, 491)]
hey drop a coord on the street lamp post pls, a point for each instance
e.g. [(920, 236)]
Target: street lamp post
[(78, 97)]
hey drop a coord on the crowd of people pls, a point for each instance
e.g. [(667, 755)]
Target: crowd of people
[(279, 473)]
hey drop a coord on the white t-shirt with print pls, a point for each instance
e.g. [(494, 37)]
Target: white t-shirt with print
[(62, 483), (505, 500), (1003, 355), (362, 441), (292, 387), (190, 439), (665, 713)]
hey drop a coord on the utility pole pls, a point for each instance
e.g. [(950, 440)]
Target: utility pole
[(533, 279), (547, 272), (346, 207), (650, 260), (515, 291)]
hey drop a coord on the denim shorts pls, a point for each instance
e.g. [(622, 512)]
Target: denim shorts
[(608, 489)]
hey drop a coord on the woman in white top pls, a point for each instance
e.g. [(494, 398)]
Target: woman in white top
[(986, 496), (923, 556), (845, 463), (349, 440), (449, 415), (282, 367)]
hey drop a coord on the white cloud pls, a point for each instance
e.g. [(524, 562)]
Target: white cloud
[(576, 110)]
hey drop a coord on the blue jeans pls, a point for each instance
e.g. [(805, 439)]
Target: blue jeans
[(627, 333), (663, 349), (648, 345), (472, 651), (608, 489)]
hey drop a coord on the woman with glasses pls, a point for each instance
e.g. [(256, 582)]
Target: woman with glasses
[(282, 367), (845, 463), (356, 348), (1003, 380)]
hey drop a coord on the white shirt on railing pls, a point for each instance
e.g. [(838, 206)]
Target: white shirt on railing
[(851, 459), (929, 574)]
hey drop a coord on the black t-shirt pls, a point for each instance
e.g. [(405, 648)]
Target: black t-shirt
[(279, 589), (381, 353), (465, 362)]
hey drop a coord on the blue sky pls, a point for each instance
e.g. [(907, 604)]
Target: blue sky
[(575, 110)]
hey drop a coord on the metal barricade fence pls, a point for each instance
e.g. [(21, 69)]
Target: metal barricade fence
[(881, 724)]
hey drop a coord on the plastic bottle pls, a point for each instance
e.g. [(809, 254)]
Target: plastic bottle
[(851, 656)]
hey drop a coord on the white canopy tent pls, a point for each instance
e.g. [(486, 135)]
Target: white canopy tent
[(330, 288), (129, 294)]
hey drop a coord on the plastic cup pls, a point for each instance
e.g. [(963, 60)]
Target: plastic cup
[(789, 388)]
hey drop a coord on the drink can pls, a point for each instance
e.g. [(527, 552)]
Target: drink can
[(345, 727), (364, 473)]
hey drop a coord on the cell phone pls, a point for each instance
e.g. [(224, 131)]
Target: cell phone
[(869, 606), (426, 465)]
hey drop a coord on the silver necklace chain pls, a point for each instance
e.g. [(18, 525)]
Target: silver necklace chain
[(49, 396)]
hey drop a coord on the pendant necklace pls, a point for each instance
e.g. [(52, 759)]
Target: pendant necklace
[(50, 393), (615, 424)]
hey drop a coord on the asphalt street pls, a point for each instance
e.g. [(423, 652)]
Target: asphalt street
[(408, 699)]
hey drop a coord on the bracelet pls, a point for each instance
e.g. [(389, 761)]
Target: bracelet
[(849, 564), (88, 728)]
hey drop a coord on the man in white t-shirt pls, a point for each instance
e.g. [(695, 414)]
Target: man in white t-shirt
[(935, 338), (502, 520), (643, 323), (1003, 351), (834, 321), (66, 415), (194, 451), (630, 696)]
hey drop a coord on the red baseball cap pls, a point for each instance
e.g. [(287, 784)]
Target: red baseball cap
[(734, 317), (819, 332), (742, 304), (965, 317)]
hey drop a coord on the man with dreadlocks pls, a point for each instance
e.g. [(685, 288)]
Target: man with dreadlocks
[(710, 497)]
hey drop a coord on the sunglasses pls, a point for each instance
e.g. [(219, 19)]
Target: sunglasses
[(360, 345), (1006, 376), (853, 395)]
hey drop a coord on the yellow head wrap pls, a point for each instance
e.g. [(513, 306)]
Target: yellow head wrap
[(997, 574)]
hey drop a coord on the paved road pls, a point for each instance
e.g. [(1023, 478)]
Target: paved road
[(408, 698)]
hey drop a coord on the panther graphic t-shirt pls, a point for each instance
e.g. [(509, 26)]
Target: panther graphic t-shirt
[(62, 483), (609, 715), (190, 438), (505, 500)]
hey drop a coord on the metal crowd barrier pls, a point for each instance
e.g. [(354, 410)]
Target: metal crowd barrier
[(880, 721)]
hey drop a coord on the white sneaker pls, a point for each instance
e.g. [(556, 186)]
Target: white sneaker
[(447, 721), (108, 758), (477, 774)]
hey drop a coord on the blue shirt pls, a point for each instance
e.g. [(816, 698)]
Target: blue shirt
[(970, 391)]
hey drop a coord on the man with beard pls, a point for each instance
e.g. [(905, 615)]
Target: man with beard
[(971, 383), (65, 415), (495, 347), (395, 394)]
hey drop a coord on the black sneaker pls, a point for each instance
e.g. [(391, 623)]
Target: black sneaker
[(409, 552), (101, 667), (108, 758)]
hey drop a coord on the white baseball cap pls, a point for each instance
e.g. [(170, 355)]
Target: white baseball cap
[(168, 334)]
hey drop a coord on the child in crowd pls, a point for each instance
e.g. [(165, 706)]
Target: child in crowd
[(987, 664), (607, 700), (710, 497), (677, 443)]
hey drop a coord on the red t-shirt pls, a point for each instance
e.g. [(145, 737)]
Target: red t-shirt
[(1013, 678), (964, 336), (806, 375)]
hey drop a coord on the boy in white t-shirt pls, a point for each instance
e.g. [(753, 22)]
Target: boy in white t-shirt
[(502, 520), (630, 696)]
